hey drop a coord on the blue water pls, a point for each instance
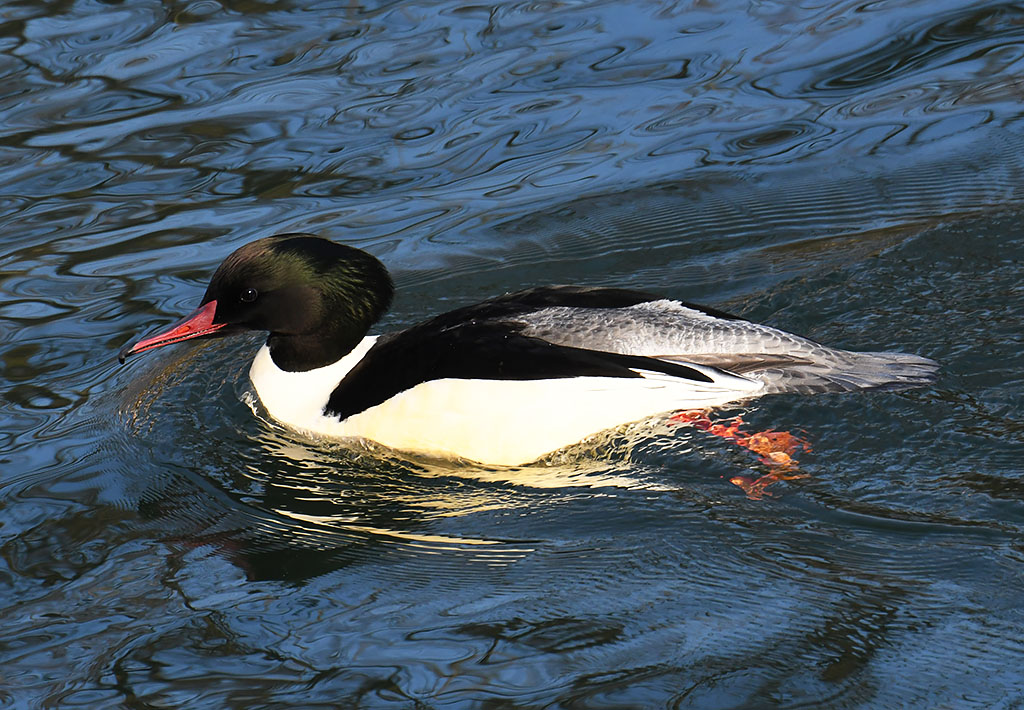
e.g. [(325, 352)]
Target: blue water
[(849, 171)]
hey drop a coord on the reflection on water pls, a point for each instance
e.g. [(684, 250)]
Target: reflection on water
[(850, 171)]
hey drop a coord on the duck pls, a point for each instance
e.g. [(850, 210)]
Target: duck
[(504, 382)]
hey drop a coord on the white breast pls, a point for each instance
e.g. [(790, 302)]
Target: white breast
[(298, 398), (501, 422)]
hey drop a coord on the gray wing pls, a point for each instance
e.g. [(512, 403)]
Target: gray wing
[(668, 330)]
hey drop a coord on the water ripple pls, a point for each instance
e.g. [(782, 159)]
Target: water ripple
[(937, 41)]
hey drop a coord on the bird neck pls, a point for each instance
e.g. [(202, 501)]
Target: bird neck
[(334, 310), (309, 351)]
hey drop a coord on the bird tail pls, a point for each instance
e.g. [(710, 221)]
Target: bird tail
[(845, 371)]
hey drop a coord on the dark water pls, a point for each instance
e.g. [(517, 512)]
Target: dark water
[(848, 170)]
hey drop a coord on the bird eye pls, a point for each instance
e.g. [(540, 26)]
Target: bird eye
[(248, 295)]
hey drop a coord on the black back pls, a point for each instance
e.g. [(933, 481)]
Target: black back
[(479, 342)]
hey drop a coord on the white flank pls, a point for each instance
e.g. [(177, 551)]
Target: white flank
[(500, 422)]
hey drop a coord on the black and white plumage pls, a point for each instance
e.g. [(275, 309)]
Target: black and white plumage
[(505, 381)]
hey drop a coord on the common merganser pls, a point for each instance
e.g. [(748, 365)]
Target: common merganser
[(505, 381)]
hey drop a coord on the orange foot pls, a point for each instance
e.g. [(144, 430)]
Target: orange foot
[(756, 487), (773, 448)]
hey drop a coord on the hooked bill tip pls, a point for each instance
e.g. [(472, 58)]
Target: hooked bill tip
[(124, 352)]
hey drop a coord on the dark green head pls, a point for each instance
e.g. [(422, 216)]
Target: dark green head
[(317, 298)]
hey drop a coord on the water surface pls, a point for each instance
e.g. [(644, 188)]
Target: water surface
[(850, 171)]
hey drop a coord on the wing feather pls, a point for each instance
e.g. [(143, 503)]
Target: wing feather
[(676, 332)]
